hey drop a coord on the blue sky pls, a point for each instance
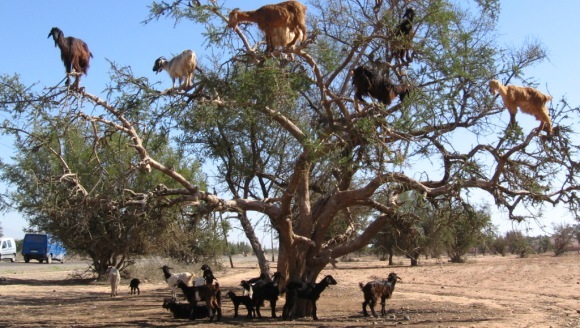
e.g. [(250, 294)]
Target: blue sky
[(114, 32)]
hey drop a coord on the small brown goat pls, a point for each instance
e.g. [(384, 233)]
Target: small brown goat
[(279, 22), (74, 53), (374, 290), (368, 83), (529, 100)]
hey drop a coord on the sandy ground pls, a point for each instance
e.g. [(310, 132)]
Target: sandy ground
[(488, 291)]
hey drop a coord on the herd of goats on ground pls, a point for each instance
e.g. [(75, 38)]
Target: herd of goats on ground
[(283, 25), (255, 292)]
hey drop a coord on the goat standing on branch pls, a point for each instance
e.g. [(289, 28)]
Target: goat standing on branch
[(404, 37), (283, 24), (529, 100), (180, 67), (74, 53), (368, 83)]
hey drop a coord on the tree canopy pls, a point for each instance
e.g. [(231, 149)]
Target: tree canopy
[(288, 142)]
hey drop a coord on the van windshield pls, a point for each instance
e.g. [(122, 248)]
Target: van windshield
[(35, 238)]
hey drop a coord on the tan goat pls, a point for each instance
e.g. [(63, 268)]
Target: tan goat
[(278, 22), (529, 100)]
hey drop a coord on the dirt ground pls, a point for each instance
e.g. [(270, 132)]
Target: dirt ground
[(487, 291)]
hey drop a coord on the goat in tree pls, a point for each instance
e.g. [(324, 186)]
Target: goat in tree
[(74, 53), (529, 100), (403, 37), (180, 67), (279, 22), (367, 82)]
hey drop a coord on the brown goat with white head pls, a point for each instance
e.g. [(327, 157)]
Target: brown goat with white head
[(279, 22), (180, 67), (74, 53), (529, 100)]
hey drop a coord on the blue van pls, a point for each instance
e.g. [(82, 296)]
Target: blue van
[(42, 247)]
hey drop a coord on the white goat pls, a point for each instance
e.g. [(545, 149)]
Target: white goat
[(114, 279), (173, 278), (181, 67)]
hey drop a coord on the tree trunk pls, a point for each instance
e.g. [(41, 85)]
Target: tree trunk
[(255, 243)]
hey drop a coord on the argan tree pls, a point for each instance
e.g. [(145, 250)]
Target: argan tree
[(291, 147)]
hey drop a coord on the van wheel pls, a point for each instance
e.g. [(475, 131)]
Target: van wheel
[(40, 261), (13, 259), (26, 259)]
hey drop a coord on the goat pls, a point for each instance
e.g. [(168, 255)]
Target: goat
[(185, 311), (308, 291), (74, 54), (367, 83), (206, 293), (374, 290), (403, 37), (267, 290), (279, 22), (114, 279), (529, 100), (283, 37), (180, 67), (247, 284), (246, 300), (134, 285), (173, 278)]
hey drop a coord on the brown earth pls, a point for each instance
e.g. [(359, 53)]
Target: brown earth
[(487, 291)]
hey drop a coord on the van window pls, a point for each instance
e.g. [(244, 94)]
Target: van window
[(4, 244), (9, 243)]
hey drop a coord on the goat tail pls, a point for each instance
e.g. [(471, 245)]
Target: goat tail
[(361, 285)]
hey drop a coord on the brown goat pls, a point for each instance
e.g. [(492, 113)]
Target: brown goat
[(375, 290), (74, 53), (529, 100), (275, 21)]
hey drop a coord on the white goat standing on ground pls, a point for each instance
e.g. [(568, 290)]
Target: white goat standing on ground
[(173, 278), (114, 279), (180, 67)]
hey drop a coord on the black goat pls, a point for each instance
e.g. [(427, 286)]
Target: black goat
[(403, 34), (185, 311), (247, 284), (308, 291), (267, 290), (246, 300), (134, 285), (206, 293), (374, 290), (368, 83), (74, 53)]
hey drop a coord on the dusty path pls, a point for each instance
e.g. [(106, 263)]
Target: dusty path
[(541, 291)]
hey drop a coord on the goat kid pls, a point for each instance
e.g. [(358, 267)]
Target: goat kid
[(134, 285), (374, 290), (180, 67), (74, 54), (245, 300), (308, 291)]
